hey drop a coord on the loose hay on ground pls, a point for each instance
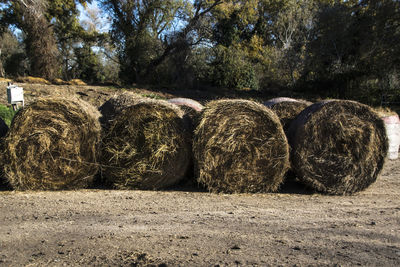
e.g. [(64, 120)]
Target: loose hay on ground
[(32, 80), (338, 147), (240, 146), (52, 145), (146, 146), (287, 109)]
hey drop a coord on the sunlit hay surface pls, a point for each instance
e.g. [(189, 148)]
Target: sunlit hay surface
[(32, 80), (115, 105), (52, 145), (338, 147), (287, 109), (385, 111), (5, 80), (59, 81), (76, 82), (146, 147), (240, 146)]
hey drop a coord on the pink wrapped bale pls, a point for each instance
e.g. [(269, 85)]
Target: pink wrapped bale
[(287, 109)]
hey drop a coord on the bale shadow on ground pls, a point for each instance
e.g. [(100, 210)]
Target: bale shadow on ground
[(292, 186)]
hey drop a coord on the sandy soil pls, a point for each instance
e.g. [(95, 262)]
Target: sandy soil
[(135, 228)]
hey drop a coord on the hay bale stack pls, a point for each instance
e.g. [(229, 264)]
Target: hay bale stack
[(338, 146), (240, 146), (52, 145), (146, 147), (287, 109)]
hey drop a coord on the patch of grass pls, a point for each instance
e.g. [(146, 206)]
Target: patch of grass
[(7, 114), (154, 96)]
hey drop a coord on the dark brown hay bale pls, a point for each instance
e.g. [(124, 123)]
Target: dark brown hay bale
[(146, 146), (287, 109), (240, 146), (3, 128), (338, 147), (52, 145), (3, 132), (115, 105)]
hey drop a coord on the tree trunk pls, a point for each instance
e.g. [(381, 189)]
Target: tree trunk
[(2, 74)]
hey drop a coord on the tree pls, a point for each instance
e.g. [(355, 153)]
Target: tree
[(12, 56), (102, 55), (40, 43), (88, 65), (354, 48), (69, 32), (150, 31)]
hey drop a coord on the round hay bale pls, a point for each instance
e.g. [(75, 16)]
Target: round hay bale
[(240, 146), (3, 132), (338, 146), (146, 147), (115, 105), (287, 109), (52, 145)]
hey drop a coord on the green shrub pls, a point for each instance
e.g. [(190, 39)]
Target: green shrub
[(232, 69), (7, 114)]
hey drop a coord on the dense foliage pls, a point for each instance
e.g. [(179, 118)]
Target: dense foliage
[(344, 49)]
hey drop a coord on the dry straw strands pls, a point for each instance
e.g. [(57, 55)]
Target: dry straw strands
[(240, 146), (338, 146), (287, 109), (52, 145), (146, 145)]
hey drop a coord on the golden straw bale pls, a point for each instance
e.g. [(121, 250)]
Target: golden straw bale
[(240, 146), (32, 80), (52, 145), (78, 82), (146, 145)]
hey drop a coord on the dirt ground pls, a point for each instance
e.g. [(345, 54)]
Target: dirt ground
[(187, 228)]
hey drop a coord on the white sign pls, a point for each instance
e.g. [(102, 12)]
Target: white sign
[(15, 95)]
